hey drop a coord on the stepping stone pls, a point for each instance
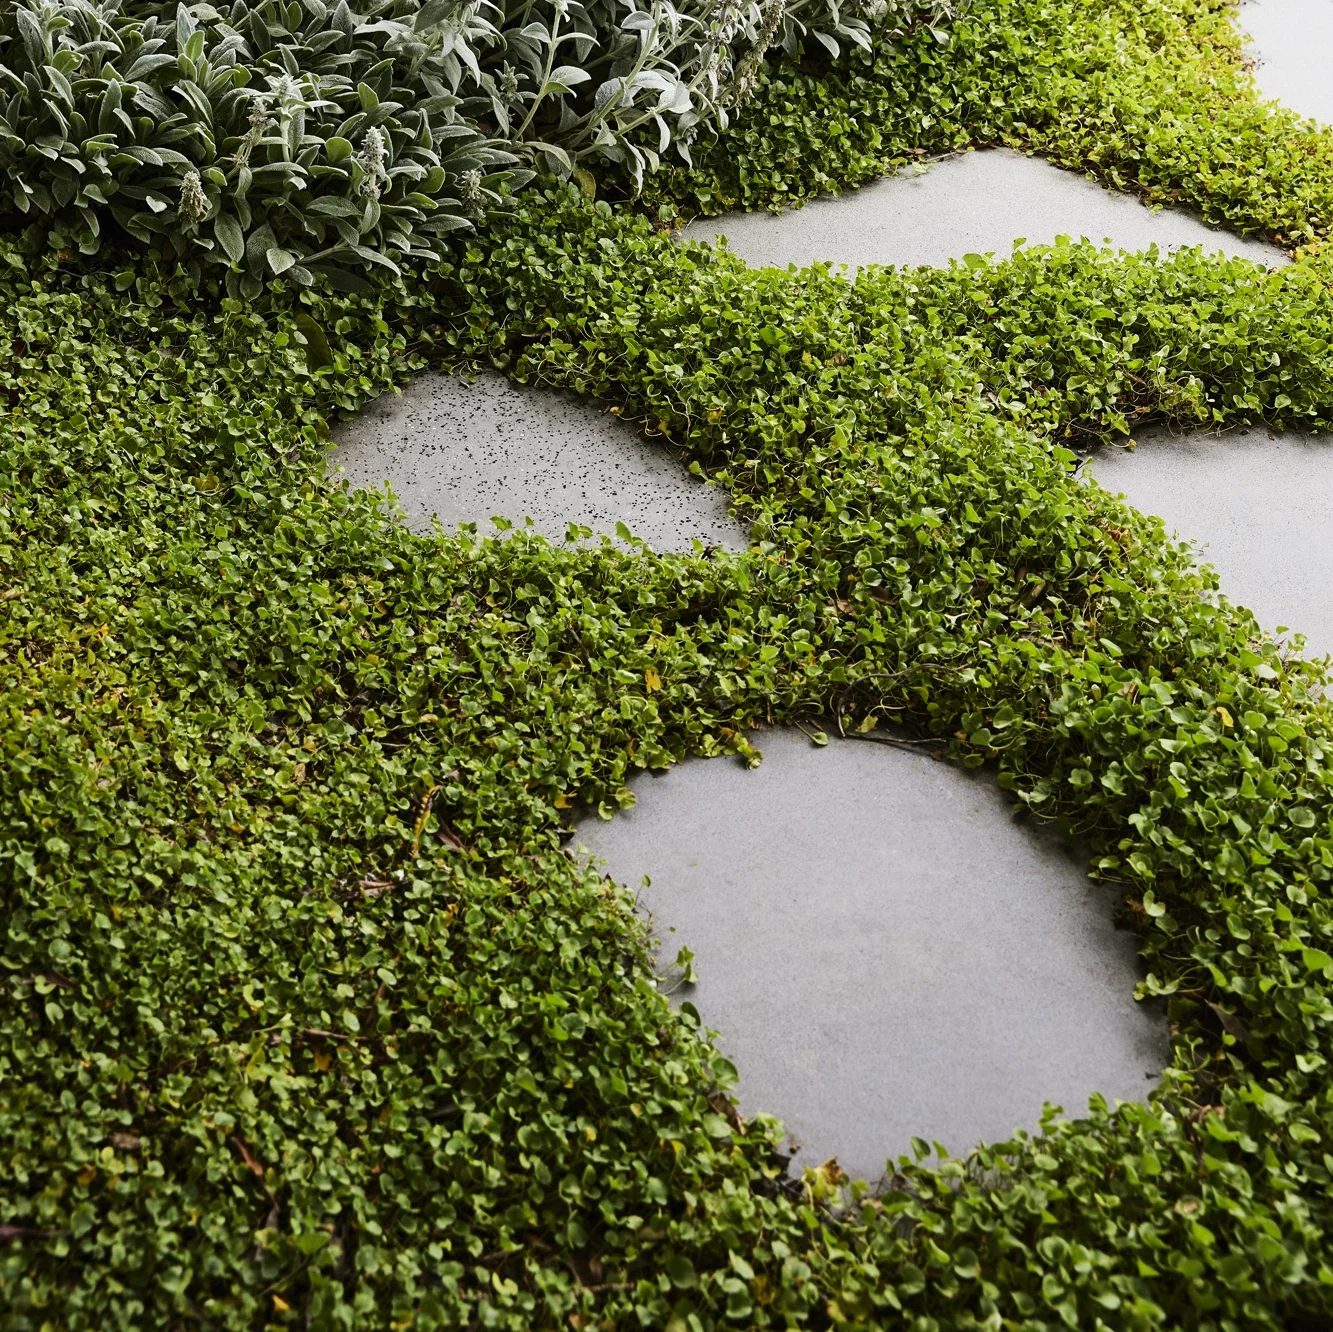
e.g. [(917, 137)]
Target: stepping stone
[(976, 203), (1292, 41), (884, 950), (1254, 504), (465, 452)]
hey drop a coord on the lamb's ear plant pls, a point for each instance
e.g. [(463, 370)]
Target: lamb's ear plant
[(628, 80), (290, 139), (306, 138)]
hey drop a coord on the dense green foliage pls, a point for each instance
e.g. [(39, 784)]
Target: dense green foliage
[(306, 1018), (305, 140)]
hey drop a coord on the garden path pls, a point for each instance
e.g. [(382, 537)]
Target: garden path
[(885, 952)]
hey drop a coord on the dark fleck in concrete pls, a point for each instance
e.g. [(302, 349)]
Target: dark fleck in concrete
[(885, 952), (464, 453)]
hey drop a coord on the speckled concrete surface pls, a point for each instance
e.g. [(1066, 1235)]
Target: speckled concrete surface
[(467, 452), (1254, 504), (976, 203), (1291, 42), (885, 952)]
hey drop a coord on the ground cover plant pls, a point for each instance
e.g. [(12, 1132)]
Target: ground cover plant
[(307, 1018)]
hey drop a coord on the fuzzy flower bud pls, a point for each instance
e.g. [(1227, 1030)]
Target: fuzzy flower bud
[(371, 159), (260, 119), (747, 67), (473, 194), (193, 207)]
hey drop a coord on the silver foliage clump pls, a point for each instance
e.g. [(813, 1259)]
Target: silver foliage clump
[(302, 137), (297, 139), (631, 79)]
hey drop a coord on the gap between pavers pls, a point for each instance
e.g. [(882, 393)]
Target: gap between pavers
[(465, 452), (884, 950), (976, 203)]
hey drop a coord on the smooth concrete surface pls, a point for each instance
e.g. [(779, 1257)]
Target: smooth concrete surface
[(1256, 505), (1291, 43), (466, 452), (884, 950), (976, 203)]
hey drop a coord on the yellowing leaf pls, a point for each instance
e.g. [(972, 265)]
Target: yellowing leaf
[(652, 681), (822, 1182)]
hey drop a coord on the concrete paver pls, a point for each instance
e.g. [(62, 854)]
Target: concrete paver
[(976, 203), (1254, 504), (884, 950), (1291, 42), (465, 452)]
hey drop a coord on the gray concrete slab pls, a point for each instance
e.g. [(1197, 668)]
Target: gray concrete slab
[(885, 952), (1291, 42), (1256, 505), (466, 452), (976, 203)]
